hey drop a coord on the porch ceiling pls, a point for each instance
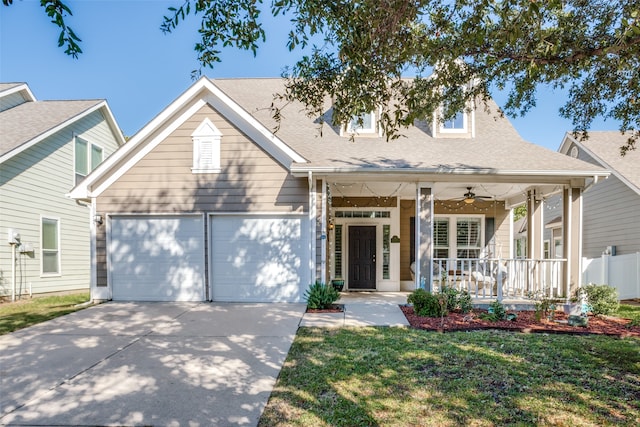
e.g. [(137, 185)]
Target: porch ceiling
[(441, 190)]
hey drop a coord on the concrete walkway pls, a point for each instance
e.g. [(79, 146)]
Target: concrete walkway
[(363, 309), (147, 364)]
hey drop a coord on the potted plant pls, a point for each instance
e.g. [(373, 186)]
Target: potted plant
[(337, 284)]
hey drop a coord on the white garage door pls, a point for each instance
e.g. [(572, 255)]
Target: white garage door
[(259, 258), (157, 258)]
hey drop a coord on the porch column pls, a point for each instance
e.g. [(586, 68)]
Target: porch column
[(535, 226), (572, 238), (424, 236)]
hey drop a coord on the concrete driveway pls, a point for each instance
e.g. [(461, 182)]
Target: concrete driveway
[(147, 364)]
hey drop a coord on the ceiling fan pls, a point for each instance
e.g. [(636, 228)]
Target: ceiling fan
[(470, 196)]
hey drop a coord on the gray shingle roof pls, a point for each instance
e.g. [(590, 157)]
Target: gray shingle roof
[(496, 146), (7, 86), (606, 146), (25, 122)]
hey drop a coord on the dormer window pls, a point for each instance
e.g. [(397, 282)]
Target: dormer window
[(364, 124), (206, 148), (456, 124)]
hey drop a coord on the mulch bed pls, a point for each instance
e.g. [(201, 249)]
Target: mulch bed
[(525, 322)]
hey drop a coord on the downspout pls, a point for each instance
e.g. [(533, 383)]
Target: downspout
[(324, 235), (312, 228)]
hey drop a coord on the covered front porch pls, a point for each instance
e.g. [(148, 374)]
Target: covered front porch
[(396, 235)]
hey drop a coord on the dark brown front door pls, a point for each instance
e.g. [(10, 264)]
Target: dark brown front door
[(362, 257)]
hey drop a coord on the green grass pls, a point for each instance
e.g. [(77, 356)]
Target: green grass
[(407, 377), (629, 312), (24, 313)]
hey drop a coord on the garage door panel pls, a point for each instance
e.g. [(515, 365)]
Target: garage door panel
[(259, 258), (157, 258)]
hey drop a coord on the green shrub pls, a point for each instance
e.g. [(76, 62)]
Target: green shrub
[(603, 299), (319, 296), (457, 299), (496, 312), (464, 302), (426, 304)]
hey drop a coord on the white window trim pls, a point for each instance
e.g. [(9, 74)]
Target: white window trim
[(42, 273), (207, 133), (378, 223), (453, 230), (465, 123), (89, 151), (374, 130)]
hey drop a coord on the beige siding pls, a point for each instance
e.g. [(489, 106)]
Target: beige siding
[(33, 184), (162, 182), (407, 211)]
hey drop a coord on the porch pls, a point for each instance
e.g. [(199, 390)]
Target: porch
[(515, 280), (398, 236)]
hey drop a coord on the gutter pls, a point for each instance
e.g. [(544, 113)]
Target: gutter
[(303, 171)]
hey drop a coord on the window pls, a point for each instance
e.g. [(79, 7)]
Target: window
[(441, 238), (206, 148), (87, 157), (50, 246), (468, 232), (338, 251), (363, 214), (557, 247), (386, 251), (455, 123), (547, 250), (363, 124)]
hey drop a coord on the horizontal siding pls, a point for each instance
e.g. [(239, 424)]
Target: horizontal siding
[(162, 181), (34, 184), (611, 218)]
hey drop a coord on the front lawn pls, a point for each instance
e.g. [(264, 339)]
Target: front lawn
[(27, 312), (627, 311), (404, 377)]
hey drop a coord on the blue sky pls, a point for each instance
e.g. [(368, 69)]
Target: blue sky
[(139, 71)]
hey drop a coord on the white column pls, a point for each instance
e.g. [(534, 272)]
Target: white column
[(424, 235)]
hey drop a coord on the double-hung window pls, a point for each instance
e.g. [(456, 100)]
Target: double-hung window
[(87, 157), (458, 236), (50, 246)]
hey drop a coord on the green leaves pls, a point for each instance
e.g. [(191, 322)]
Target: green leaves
[(57, 10)]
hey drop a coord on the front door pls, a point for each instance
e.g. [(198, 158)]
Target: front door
[(362, 257)]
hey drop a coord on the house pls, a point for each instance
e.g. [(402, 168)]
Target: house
[(206, 202), (611, 230), (46, 148)]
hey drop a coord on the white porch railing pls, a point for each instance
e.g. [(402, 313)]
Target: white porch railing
[(494, 278)]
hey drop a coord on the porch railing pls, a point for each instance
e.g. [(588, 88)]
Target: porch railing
[(495, 278)]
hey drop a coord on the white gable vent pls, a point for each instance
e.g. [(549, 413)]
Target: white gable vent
[(206, 148)]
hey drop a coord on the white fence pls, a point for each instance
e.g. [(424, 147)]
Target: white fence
[(620, 271)]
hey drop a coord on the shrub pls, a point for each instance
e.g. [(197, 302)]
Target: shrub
[(457, 299), (496, 312), (603, 299), (319, 296), (464, 302), (426, 304)]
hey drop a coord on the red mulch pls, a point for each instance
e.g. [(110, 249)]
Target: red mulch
[(525, 322)]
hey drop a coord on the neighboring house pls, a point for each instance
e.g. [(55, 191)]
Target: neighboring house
[(206, 203), (611, 208), (46, 148)]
